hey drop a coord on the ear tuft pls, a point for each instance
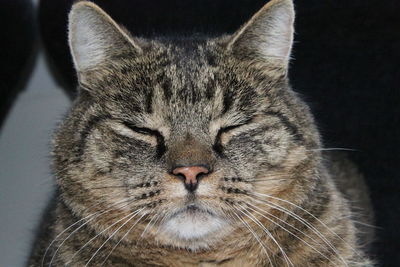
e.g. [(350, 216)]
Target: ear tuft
[(94, 37), (268, 34)]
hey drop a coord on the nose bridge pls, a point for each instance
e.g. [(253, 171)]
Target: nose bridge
[(189, 151)]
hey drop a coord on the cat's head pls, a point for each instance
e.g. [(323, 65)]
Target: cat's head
[(183, 131)]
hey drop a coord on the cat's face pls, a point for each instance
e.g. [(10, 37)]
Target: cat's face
[(181, 131)]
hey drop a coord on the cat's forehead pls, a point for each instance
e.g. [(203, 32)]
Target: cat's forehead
[(187, 86), (186, 63), (195, 80), (182, 74), (185, 82)]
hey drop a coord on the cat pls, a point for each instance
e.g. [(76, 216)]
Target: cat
[(196, 152)]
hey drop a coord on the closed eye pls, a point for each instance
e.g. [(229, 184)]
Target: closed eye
[(218, 139), (141, 130), (161, 148), (228, 128)]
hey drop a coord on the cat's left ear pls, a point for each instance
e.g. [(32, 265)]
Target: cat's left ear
[(94, 37), (268, 34)]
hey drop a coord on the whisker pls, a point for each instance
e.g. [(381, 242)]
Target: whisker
[(305, 222), (88, 242), (116, 231), (332, 149), (69, 227), (256, 221), (253, 233), (295, 228), (309, 213), (366, 224), (123, 237), (149, 224), (163, 217), (94, 216), (60, 234)]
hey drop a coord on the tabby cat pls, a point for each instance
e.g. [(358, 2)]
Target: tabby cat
[(196, 152)]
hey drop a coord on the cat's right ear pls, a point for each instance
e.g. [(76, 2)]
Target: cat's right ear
[(94, 37)]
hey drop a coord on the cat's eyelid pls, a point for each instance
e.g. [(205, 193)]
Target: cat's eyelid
[(141, 130), (146, 132), (223, 130), (154, 137), (121, 129), (228, 128)]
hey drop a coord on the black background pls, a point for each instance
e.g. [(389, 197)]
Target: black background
[(345, 65)]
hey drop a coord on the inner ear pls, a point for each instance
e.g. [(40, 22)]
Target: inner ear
[(94, 37), (268, 34)]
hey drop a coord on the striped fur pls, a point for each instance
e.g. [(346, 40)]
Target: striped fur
[(273, 197)]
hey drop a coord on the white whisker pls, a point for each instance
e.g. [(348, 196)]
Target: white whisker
[(333, 149), (116, 231), (94, 216), (254, 234), (295, 228), (305, 222), (256, 221), (123, 237), (312, 215), (88, 242), (148, 224)]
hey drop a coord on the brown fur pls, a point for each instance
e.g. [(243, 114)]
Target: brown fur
[(147, 106)]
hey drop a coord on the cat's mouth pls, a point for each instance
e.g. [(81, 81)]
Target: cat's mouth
[(193, 209), (192, 222)]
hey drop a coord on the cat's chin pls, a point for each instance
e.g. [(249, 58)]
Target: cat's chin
[(194, 228)]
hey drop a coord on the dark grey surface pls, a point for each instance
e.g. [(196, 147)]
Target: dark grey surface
[(25, 176)]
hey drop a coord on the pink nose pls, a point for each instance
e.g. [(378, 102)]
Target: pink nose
[(191, 175)]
